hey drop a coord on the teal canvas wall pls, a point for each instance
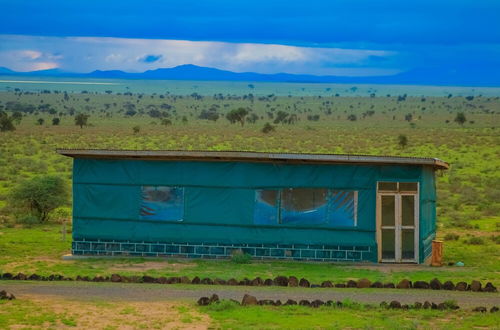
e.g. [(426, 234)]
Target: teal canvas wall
[(219, 201)]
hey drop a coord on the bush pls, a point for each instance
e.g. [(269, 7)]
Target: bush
[(28, 220), (450, 304), (240, 258), (223, 305), (460, 118), (166, 122), (495, 239), (268, 128), (81, 120), (451, 237), (61, 214), (475, 241), (6, 123), (237, 116), (7, 221), (402, 140)]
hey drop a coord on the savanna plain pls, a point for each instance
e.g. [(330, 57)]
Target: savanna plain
[(460, 129)]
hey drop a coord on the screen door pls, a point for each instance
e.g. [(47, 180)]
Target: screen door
[(397, 217)]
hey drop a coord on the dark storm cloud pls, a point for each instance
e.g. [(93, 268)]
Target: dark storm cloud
[(150, 58)]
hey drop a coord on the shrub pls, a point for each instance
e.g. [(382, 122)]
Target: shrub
[(475, 241), (61, 214), (28, 220), (237, 116), (460, 118), (6, 123), (268, 128), (166, 122), (223, 305), (402, 140), (495, 239), (81, 120), (240, 258), (450, 304), (451, 237)]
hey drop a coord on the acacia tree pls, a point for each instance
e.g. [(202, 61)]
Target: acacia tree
[(460, 118), (6, 123), (40, 196), (17, 117), (81, 119), (237, 115)]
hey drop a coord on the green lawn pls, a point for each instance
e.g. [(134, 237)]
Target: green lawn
[(41, 312)]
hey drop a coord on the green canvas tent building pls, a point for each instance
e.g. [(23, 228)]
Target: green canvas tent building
[(201, 204)]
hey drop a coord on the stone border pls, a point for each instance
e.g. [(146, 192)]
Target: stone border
[(4, 295), (283, 281), (249, 300)]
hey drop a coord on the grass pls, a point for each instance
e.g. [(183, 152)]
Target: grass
[(468, 194), (38, 249), (38, 312), (231, 316), (55, 312), (29, 314)]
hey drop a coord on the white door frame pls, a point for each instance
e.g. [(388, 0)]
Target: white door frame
[(398, 227)]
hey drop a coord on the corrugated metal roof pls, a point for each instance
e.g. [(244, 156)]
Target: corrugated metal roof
[(250, 156)]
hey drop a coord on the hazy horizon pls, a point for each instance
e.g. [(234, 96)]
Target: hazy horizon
[(340, 38)]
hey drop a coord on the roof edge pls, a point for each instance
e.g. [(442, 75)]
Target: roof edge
[(251, 156)]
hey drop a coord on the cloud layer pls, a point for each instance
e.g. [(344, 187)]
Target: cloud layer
[(341, 37), (292, 22), (85, 54)]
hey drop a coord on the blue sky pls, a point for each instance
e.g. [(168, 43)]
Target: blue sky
[(347, 38)]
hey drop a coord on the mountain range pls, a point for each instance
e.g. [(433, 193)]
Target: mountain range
[(422, 76)]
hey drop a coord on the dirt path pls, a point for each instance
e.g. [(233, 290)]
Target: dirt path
[(154, 292)]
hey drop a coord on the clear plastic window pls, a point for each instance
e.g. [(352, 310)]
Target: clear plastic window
[(306, 206), (162, 203), (266, 207)]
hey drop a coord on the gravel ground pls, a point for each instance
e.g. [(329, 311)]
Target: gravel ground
[(155, 292)]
